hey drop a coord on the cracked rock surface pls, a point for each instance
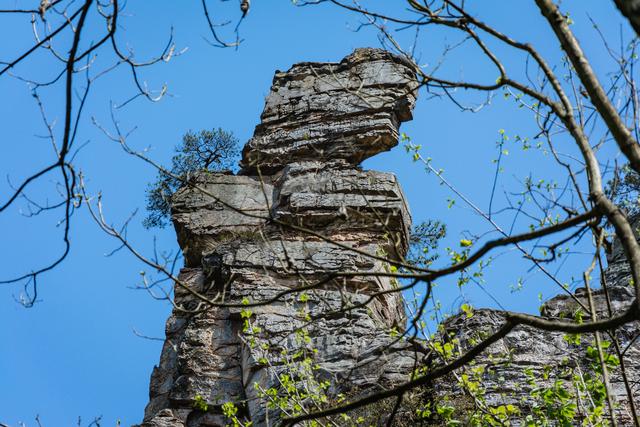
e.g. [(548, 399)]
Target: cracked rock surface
[(303, 229), (300, 212), (530, 360)]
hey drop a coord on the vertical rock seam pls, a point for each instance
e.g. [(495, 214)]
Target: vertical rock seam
[(301, 168)]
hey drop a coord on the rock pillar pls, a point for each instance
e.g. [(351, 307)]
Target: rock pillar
[(304, 231)]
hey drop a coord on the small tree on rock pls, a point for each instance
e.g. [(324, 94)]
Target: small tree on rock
[(207, 150)]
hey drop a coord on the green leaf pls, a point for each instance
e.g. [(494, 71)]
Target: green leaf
[(465, 243), (467, 310)]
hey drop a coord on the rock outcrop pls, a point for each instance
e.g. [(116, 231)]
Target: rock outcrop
[(541, 373), (291, 255), (301, 216), (346, 111)]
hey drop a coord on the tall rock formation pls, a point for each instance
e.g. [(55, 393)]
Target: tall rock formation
[(303, 232), (300, 215)]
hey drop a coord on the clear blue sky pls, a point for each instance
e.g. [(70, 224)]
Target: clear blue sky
[(75, 354)]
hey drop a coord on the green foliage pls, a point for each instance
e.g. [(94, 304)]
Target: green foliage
[(566, 393), (552, 403), (230, 411), (552, 392), (467, 309), (207, 150), (298, 386), (200, 403)]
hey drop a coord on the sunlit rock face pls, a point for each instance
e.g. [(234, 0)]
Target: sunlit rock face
[(304, 230), (529, 364), (299, 216), (349, 110)]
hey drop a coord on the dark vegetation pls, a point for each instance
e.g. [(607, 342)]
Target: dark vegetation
[(208, 150)]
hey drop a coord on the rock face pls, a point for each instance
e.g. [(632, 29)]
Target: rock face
[(529, 364), (350, 111), (300, 215), (291, 252)]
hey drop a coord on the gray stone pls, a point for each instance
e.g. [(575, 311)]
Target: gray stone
[(547, 355), (221, 207), (303, 238), (257, 239), (326, 111), (338, 199)]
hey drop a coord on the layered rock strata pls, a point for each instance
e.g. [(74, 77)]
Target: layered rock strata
[(303, 230), (540, 373)]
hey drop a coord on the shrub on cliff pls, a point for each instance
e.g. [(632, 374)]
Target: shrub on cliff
[(212, 150)]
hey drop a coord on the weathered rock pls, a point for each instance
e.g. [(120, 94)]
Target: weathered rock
[(337, 200), (304, 238), (516, 368), (219, 207), (325, 111)]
